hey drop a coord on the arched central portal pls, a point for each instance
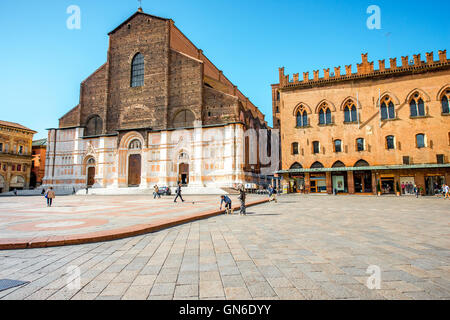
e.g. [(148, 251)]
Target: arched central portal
[(184, 173), (134, 170)]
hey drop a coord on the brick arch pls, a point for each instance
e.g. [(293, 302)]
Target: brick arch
[(189, 116), (338, 164), (304, 105), (442, 92), (317, 165), (296, 165), (425, 97), (130, 136), (344, 102), (93, 125), (393, 97), (329, 103), (361, 163), (134, 54)]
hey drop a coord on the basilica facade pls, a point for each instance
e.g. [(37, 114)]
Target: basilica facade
[(157, 112)]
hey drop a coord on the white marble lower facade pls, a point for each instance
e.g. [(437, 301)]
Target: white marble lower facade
[(199, 157)]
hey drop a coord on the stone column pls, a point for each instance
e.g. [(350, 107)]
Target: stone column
[(419, 180), (350, 182), (329, 183), (374, 182), (307, 183)]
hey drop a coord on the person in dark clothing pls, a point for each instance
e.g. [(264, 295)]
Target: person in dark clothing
[(242, 200), (225, 199), (178, 193)]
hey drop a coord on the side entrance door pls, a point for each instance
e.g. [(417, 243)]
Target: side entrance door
[(91, 176), (134, 170)]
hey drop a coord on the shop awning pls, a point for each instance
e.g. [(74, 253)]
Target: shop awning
[(370, 168)]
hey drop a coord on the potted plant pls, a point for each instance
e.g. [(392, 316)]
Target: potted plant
[(397, 189), (378, 188)]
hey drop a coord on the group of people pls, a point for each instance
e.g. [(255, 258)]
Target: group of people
[(228, 203), (224, 199), (408, 188)]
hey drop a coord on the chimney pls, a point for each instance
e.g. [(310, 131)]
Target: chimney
[(337, 71), (316, 75), (405, 62), (430, 57), (393, 63), (442, 56), (305, 76), (382, 65), (326, 73)]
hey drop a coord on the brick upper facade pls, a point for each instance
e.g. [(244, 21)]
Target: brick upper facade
[(178, 77)]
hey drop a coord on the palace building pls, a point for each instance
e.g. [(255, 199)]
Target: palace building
[(15, 156), (39, 148), (157, 112), (372, 130)]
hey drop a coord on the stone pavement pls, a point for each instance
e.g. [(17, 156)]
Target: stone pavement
[(28, 222), (304, 247)]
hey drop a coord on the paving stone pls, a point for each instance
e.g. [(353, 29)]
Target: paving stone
[(163, 289), (186, 291), (211, 289)]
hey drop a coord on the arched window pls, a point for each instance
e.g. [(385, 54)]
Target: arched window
[(94, 126), (302, 117), (390, 142), (417, 106), (360, 144), (337, 146), (387, 108), (135, 145), (137, 71), (350, 113), (324, 114), (90, 162), (420, 141), (444, 101), (295, 148)]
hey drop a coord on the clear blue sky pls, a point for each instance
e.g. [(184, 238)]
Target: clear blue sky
[(42, 62)]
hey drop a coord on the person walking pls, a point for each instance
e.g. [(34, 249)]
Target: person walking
[(156, 192), (50, 195), (241, 198), (416, 191), (275, 194), (225, 199), (178, 193), (446, 191), (270, 189)]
